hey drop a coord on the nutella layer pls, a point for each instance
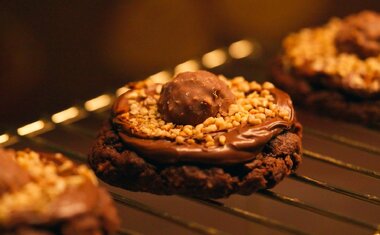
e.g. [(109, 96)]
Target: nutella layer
[(242, 117), (342, 55), (48, 194)]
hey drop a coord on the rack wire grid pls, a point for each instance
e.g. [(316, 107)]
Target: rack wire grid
[(335, 191)]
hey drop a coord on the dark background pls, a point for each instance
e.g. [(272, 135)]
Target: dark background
[(56, 53)]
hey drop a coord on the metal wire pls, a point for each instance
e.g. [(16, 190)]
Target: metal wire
[(250, 216), (341, 164), (343, 140), (360, 196), (306, 206), (196, 227)]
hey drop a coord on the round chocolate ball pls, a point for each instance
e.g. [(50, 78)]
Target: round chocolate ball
[(192, 97)]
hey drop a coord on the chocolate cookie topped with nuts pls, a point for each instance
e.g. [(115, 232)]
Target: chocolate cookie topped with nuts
[(335, 69), (48, 194), (199, 135)]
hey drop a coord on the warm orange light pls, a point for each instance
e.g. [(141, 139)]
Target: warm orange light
[(121, 91), (214, 58), (190, 65), (65, 115), (4, 138), (240, 49), (161, 77), (31, 128), (98, 103)]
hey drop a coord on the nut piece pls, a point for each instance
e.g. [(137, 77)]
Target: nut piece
[(192, 97), (360, 35)]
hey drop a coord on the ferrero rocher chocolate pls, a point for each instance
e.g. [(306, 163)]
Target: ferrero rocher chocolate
[(192, 97)]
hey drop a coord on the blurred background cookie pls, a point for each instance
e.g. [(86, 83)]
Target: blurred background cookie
[(45, 193), (334, 69)]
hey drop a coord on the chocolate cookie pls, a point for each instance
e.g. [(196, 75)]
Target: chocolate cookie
[(46, 194), (335, 69), (252, 142)]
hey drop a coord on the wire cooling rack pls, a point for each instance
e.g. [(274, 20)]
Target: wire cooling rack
[(335, 191)]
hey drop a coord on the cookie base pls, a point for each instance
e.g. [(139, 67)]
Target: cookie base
[(118, 166)]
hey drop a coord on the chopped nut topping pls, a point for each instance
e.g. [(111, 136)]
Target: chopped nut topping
[(50, 178), (254, 104), (313, 51)]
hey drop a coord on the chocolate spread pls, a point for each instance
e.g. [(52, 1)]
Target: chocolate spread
[(243, 143)]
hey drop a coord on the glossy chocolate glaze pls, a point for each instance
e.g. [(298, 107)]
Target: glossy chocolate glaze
[(242, 143)]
